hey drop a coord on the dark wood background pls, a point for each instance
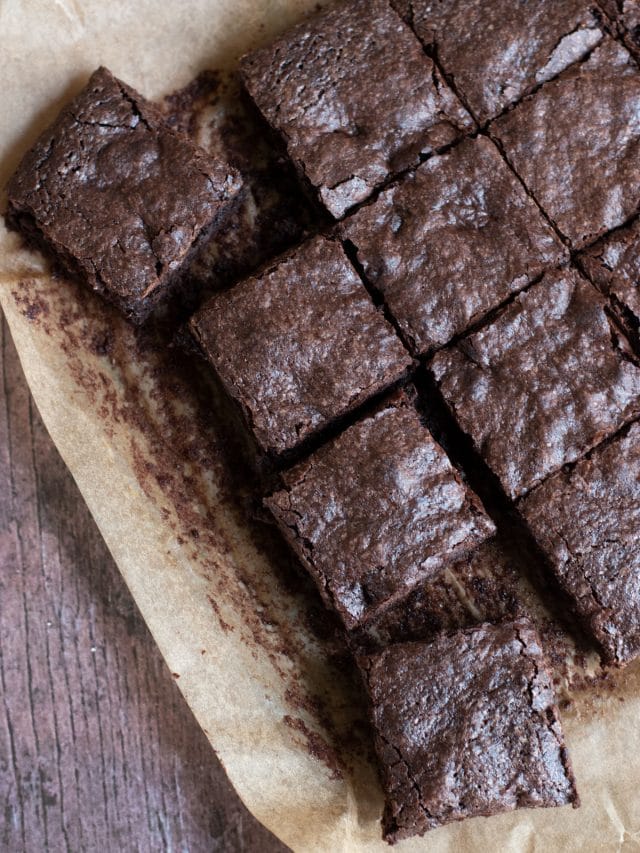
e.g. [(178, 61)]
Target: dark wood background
[(98, 750)]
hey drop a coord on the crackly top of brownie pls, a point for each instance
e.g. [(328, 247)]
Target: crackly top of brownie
[(299, 345), (451, 241), (576, 144), (499, 51), (117, 195), (355, 98), (466, 725), (586, 521), (625, 17), (544, 383), (378, 510), (613, 263)]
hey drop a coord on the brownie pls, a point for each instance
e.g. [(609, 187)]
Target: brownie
[(377, 511), (625, 15), (355, 97), (545, 382), (498, 51), (576, 144), (119, 197), (299, 345), (466, 725), (450, 242), (613, 263), (587, 522)]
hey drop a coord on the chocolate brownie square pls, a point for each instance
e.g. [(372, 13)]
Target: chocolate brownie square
[(355, 98), (545, 382), (587, 521), (299, 345), (120, 198), (466, 725), (576, 144), (613, 263), (377, 511), (450, 242), (498, 51)]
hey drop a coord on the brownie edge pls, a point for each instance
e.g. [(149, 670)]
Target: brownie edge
[(118, 197), (465, 726)]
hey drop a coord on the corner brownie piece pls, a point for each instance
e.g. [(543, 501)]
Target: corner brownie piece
[(576, 144), (544, 383), (498, 51), (587, 521), (377, 511), (450, 242), (299, 345), (466, 725), (613, 263), (119, 197), (355, 98)]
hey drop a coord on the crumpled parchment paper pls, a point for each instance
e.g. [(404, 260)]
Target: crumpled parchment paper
[(144, 436)]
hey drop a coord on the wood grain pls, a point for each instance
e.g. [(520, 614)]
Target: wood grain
[(98, 750)]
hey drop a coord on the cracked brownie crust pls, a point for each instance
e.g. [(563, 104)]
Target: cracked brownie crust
[(544, 383), (498, 51), (576, 144), (355, 98), (119, 197), (299, 345), (586, 520), (613, 263), (377, 511), (466, 725), (459, 212)]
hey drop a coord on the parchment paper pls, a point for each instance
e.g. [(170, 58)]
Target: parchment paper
[(140, 432)]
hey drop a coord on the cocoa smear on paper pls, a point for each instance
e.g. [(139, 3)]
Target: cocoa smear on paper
[(161, 407)]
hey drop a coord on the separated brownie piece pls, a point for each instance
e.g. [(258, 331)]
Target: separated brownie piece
[(544, 383), (119, 197), (613, 263), (466, 725), (377, 511), (587, 521), (299, 345), (451, 241), (355, 98), (576, 144), (498, 51)]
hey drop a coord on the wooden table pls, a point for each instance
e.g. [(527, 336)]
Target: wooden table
[(98, 750)]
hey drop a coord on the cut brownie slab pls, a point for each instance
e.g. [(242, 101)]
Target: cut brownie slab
[(120, 198), (587, 521), (450, 242), (498, 51), (613, 263), (466, 725), (544, 383), (377, 511), (299, 345), (355, 98), (576, 144)]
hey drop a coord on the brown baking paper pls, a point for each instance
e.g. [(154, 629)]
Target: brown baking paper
[(139, 429)]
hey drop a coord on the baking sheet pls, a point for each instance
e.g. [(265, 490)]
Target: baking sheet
[(145, 439)]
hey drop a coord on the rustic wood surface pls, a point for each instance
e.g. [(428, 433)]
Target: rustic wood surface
[(98, 750)]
